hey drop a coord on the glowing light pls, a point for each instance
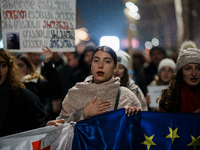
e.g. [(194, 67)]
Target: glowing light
[(132, 27), (135, 43), (111, 41), (131, 6), (81, 35), (1, 43), (155, 42), (124, 43), (134, 15), (148, 45)]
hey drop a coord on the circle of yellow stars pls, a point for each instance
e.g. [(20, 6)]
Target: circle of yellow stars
[(173, 134)]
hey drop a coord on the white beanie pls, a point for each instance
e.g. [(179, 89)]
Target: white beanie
[(123, 58), (167, 62), (187, 56)]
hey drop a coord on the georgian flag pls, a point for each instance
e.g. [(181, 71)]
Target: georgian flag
[(46, 138)]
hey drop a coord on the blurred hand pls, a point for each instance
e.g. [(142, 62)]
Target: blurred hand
[(56, 105), (147, 98), (47, 54), (197, 111), (55, 122), (94, 108), (131, 110)]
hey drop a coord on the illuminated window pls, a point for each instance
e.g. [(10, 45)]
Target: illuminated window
[(111, 41), (1, 43)]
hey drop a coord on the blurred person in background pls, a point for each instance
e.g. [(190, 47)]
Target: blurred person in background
[(67, 72), (138, 61), (36, 58), (85, 62), (147, 73), (121, 71), (166, 69), (59, 60), (20, 109), (47, 89)]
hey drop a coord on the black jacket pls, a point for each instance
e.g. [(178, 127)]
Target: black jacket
[(48, 87), (24, 112), (145, 76)]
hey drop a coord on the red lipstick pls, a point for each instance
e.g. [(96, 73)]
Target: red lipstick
[(100, 73), (193, 79)]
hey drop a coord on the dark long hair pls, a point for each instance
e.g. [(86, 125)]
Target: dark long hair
[(32, 70), (171, 96), (14, 77), (124, 80)]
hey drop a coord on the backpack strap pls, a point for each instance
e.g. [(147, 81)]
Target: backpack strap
[(117, 99)]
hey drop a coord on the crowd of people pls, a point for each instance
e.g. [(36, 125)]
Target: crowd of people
[(48, 88)]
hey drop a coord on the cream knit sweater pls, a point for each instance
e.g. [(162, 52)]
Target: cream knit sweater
[(83, 92)]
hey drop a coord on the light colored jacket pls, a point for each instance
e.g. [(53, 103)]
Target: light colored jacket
[(83, 92), (138, 92)]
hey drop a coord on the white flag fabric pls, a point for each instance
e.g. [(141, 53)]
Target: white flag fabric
[(45, 138)]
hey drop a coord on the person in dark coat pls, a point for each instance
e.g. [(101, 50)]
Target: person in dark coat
[(20, 109), (67, 73), (85, 62), (44, 88), (147, 73)]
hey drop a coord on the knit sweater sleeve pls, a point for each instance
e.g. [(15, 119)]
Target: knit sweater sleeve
[(128, 98)]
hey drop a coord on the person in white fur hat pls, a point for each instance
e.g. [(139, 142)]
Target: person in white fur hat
[(183, 93), (166, 69), (121, 71)]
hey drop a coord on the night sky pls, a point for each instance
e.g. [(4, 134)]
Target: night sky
[(103, 18)]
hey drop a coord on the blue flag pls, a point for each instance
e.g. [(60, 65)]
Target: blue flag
[(142, 131)]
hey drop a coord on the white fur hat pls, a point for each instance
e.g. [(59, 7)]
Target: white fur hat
[(167, 62), (187, 56), (123, 58)]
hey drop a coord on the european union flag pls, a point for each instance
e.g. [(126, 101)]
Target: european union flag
[(142, 131)]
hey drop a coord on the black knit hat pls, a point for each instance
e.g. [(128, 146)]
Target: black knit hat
[(158, 48)]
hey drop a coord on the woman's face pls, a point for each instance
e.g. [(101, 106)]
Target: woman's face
[(119, 71), (102, 67), (22, 67), (3, 71), (88, 58), (166, 73), (191, 74)]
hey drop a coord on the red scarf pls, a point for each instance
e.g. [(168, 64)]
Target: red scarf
[(190, 101)]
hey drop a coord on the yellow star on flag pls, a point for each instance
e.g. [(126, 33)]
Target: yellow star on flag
[(173, 134), (195, 142), (148, 141)]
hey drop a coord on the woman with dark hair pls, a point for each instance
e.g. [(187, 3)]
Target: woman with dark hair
[(20, 109), (182, 95), (44, 88), (98, 93), (121, 71)]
